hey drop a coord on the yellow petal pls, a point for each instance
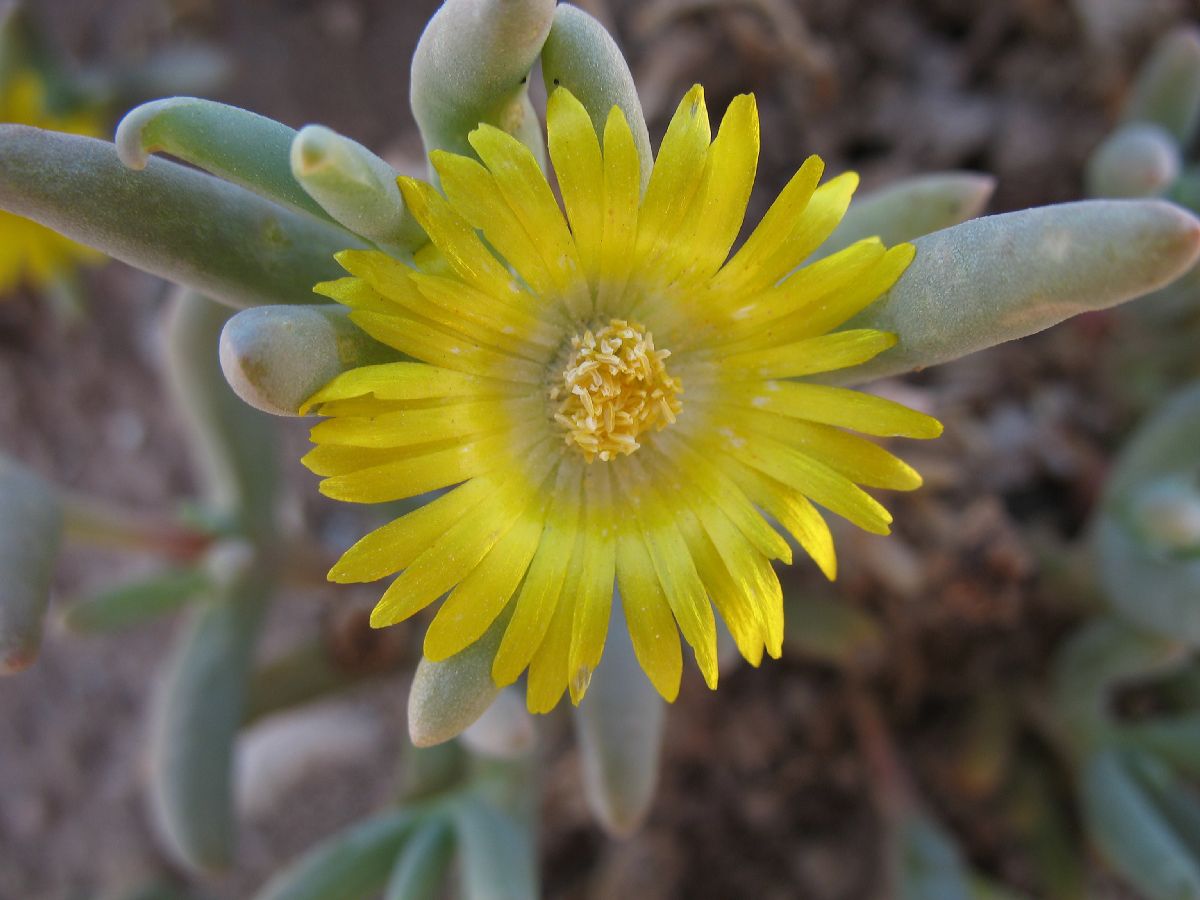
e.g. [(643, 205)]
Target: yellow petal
[(473, 606), (404, 381), (575, 153), (415, 426), (793, 511), (548, 669), (594, 603), (826, 353), (389, 549), (622, 195), (648, 616), (842, 407)]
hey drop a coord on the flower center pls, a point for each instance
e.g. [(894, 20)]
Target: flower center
[(613, 387)]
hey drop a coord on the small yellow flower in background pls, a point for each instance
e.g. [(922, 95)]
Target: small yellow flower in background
[(616, 406), (30, 252)]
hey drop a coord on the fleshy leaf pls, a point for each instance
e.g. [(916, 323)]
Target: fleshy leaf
[(496, 852), (354, 863), (472, 66), (619, 726), (169, 220), (421, 867), (30, 532), (234, 144), (276, 357), (582, 56), (134, 604), (195, 717), (910, 208), (1138, 160), (356, 188), (1003, 277), (1167, 91)]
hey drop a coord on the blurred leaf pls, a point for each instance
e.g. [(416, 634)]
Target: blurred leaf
[(422, 865), (1167, 90), (429, 771), (239, 146), (472, 66), (235, 446), (351, 865), (1131, 830), (496, 852), (356, 188), (302, 675), (448, 696), (907, 209), (1003, 277), (276, 357), (928, 863), (581, 56), (1098, 658), (1175, 740), (1045, 831), (619, 727), (1129, 554), (31, 523), (1137, 160), (169, 220), (176, 70), (505, 730), (195, 717), (133, 604)]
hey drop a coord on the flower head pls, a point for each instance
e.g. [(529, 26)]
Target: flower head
[(28, 251), (609, 399)]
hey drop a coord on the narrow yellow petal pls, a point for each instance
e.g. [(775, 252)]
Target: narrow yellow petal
[(548, 668), (826, 353), (455, 554), (521, 181), (842, 407), (538, 597), (677, 175), (391, 548), (594, 602), (622, 196), (404, 381), (575, 153), (415, 426), (812, 478), (793, 511), (438, 347), (773, 232), (456, 240), (481, 596), (648, 616), (355, 293)]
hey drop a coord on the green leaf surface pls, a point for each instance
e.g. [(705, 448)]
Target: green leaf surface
[(912, 207), (1167, 90), (276, 357), (134, 604), (1132, 832), (234, 144), (351, 865), (1140, 159), (496, 852), (619, 728), (581, 56), (472, 65), (928, 864), (421, 868), (195, 718), (169, 220), (234, 445), (1003, 277), (31, 523)]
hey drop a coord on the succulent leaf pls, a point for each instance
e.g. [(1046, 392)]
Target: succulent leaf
[(133, 604), (1167, 90), (422, 865), (234, 144), (472, 65), (352, 864), (910, 208), (619, 726), (31, 524), (1140, 159), (582, 56), (171, 221), (276, 357), (356, 188), (495, 851), (1003, 277)]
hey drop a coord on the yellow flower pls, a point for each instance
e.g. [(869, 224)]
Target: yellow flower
[(28, 251), (616, 406)]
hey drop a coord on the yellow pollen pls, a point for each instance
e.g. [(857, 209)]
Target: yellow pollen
[(614, 386)]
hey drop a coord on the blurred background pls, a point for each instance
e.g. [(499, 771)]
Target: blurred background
[(764, 789)]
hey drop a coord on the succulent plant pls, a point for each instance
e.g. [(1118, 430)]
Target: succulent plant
[(262, 214)]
